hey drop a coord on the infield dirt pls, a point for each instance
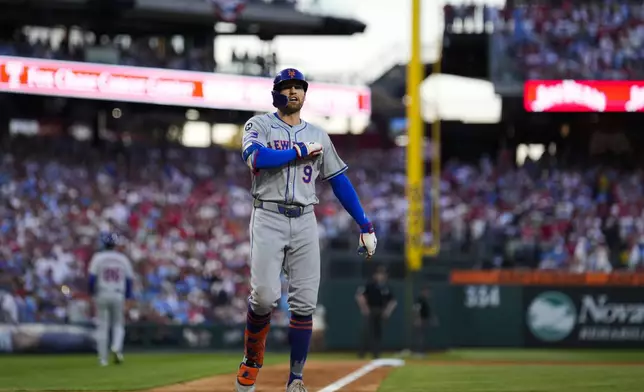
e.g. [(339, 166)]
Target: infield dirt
[(318, 374)]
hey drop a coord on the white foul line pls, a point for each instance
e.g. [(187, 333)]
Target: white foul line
[(351, 377)]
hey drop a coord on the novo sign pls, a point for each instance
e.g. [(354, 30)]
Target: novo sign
[(553, 316), (600, 310), (169, 87), (583, 96)]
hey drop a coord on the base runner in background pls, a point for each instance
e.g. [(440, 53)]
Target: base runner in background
[(110, 284), (286, 155)]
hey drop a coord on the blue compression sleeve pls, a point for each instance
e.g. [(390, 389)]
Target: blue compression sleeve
[(267, 158), (346, 194), (92, 284)]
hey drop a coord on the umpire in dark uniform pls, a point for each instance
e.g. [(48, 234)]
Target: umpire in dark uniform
[(422, 319), (376, 302)]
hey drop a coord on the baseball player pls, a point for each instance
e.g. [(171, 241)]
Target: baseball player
[(286, 155), (110, 284)]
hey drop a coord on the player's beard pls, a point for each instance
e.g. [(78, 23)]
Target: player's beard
[(292, 108)]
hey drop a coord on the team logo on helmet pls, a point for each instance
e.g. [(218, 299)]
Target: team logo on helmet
[(291, 73)]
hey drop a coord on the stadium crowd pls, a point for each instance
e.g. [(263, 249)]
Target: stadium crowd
[(574, 40), (184, 223)]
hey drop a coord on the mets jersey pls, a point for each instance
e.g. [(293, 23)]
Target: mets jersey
[(293, 183), (111, 269)]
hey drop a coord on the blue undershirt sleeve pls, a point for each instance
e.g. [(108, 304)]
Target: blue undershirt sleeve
[(346, 194)]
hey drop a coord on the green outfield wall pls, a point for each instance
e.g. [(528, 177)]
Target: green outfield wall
[(503, 316)]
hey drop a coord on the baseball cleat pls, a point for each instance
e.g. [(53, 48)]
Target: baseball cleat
[(244, 388), (296, 386), (103, 363), (246, 377), (117, 357)]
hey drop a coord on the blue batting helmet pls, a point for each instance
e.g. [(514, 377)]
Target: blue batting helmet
[(285, 75), (109, 240)]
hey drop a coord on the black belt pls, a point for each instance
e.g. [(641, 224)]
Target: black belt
[(288, 210)]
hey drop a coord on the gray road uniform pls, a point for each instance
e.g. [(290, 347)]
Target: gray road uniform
[(111, 269), (283, 227)]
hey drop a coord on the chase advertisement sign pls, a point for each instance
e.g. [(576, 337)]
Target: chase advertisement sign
[(591, 317)]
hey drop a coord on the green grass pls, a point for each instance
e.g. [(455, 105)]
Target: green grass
[(453, 373), (140, 371), (537, 355), (81, 372), (527, 378), (578, 371)]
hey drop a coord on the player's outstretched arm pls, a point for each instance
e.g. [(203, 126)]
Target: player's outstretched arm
[(348, 197), (259, 157)]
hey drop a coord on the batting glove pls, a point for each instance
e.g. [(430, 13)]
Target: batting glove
[(307, 149), (368, 241)]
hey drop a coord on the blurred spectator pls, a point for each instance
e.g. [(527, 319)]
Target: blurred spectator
[(636, 254), (256, 65), (8, 308)]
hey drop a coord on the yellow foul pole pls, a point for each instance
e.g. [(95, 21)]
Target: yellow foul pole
[(414, 191)]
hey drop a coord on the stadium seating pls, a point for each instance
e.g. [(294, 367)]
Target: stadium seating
[(586, 40), (185, 222)]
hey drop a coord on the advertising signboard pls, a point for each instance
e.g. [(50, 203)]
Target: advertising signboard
[(583, 96), (583, 317), (170, 87)]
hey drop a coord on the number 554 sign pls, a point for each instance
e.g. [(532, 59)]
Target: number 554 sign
[(482, 296)]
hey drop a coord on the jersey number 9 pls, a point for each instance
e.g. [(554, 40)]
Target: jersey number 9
[(111, 275), (308, 171)]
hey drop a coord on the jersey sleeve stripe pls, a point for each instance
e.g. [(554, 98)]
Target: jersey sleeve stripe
[(249, 150), (247, 144), (336, 173)]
